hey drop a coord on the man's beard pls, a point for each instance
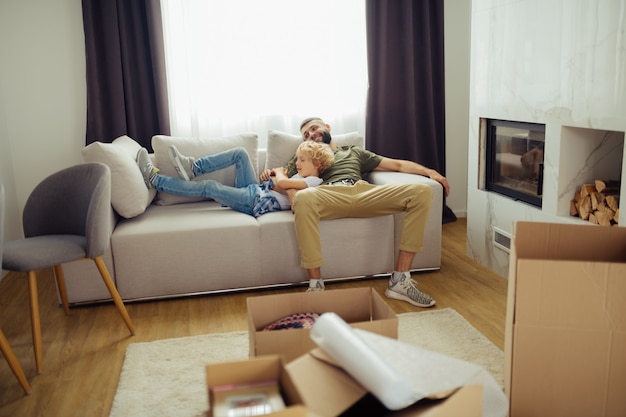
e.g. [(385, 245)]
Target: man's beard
[(326, 138)]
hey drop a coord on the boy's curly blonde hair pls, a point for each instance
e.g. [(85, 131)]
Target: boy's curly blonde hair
[(318, 152)]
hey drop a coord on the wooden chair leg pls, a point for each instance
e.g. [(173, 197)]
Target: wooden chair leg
[(13, 363), (35, 319), (106, 277), (58, 273)]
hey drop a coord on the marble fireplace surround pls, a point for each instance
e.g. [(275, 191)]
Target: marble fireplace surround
[(557, 63)]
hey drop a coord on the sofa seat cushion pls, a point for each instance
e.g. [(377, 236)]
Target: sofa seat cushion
[(185, 248), (351, 247), (202, 247)]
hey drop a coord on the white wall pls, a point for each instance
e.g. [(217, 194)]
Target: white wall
[(42, 95), (457, 55)]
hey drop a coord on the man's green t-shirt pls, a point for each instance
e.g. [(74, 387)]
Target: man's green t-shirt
[(351, 162)]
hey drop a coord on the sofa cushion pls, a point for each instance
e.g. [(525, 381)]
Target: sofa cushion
[(129, 194), (281, 146), (185, 249), (197, 148), (350, 247)]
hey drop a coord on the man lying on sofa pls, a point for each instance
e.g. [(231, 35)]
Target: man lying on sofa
[(345, 194)]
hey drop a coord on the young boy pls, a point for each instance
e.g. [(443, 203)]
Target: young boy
[(247, 196)]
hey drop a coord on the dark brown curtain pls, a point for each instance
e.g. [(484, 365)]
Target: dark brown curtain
[(126, 86), (405, 102)]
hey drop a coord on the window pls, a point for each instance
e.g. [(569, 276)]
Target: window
[(250, 65)]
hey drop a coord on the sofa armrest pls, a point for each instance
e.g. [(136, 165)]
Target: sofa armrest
[(386, 177)]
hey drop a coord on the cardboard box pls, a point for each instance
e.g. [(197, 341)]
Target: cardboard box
[(328, 391), (565, 341), (362, 308), (250, 372)]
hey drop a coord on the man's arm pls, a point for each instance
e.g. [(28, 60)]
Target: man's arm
[(410, 167), (291, 194)]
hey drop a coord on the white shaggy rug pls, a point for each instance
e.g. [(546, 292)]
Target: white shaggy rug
[(166, 377)]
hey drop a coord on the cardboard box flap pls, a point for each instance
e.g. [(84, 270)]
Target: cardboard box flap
[(398, 374), (325, 389), (554, 241), (261, 369), (322, 356), (467, 402), (229, 373)]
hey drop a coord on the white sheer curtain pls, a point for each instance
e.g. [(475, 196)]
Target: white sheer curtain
[(235, 66)]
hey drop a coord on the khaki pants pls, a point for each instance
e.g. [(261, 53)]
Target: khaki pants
[(360, 200)]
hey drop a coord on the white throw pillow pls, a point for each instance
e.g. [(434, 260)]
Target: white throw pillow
[(197, 148), (129, 194), (281, 146)]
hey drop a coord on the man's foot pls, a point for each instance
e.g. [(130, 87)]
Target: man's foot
[(147, 168), (316, 285), (182, 163), (404, 288)]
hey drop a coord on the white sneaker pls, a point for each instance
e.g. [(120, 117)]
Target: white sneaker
[(319, 286), (183, 164), (148, 170), (405, 289)]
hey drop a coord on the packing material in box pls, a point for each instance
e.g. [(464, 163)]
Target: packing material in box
[(362, 308), (258, 386), (565, 340), (355, 373)]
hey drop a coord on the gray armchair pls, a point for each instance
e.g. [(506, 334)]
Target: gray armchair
[(64, 220), (4, 343)]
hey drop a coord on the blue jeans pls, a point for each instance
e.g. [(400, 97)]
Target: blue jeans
[(242, 197)]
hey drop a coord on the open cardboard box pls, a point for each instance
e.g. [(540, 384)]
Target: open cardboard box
[(254, 371), (329, 391), (565, 340), (362, 308)]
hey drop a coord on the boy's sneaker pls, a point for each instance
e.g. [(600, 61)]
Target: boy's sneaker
[(405, 289), (318, 286), (147, 168), (182, 163)]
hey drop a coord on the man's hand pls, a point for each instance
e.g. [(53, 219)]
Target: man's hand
[(441, 180), (410, 167)]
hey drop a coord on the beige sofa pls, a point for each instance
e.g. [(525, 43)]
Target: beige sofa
[(167, 246)]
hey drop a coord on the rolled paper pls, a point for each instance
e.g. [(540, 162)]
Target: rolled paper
[(364, 364)]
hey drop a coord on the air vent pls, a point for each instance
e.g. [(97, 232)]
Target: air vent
[(502, 239)]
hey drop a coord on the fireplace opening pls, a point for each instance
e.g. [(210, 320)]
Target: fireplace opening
[(514, 160)]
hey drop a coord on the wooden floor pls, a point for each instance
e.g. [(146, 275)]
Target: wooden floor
[(83, 352)]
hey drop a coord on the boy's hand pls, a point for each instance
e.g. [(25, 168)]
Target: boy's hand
[(265, 175), (279, 173)]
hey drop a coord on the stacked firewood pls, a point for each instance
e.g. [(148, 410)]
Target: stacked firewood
[(597, 203)]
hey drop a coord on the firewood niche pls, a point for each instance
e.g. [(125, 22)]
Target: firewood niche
[(597, 203)]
